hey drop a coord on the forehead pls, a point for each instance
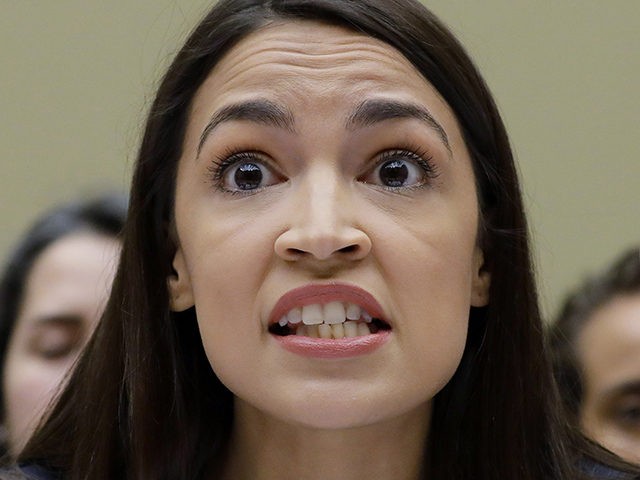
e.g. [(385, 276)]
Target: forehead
[(617, 322), (316, 50), (70, 274), (609, 344), (299, 62)]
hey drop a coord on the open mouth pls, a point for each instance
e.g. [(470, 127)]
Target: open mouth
[(333, 320)]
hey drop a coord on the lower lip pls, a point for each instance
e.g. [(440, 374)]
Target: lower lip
[(336, 348)]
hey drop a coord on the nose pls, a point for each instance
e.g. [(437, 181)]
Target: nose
[(323, 225)]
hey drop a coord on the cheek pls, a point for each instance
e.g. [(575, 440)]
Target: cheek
[(624, 442), (232, 338), (429, 269), (433, 327), (228, 248), (430, 281), (227, 282), (226, 277), (29, 386), (233, 355)]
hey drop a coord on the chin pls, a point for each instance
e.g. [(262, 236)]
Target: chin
[(344, 413)]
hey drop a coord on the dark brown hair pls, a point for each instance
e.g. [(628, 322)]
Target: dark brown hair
[(144, 402)]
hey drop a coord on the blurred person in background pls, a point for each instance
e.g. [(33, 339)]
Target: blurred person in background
[(52, 292), (595, 343)]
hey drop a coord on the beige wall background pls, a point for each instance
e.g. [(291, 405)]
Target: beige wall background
[(76, 77)]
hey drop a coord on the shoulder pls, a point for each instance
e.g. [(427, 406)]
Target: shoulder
[(28, 472), (12, 474), (599, 471)]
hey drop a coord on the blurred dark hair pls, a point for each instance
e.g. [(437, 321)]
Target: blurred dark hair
[(621, 278), (159, 412)]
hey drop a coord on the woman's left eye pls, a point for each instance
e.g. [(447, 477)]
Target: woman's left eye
[(243, 172), (401, 169), (628, 415)]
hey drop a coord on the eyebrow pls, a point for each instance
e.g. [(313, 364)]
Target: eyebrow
[(257, 111), (366, 114), (61, 319), (370, 112), (627, 388)]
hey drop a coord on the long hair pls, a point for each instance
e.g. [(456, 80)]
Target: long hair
[(144, 401)]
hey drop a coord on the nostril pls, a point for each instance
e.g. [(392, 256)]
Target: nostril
[(298, 253), (349, 249), (297, 244)]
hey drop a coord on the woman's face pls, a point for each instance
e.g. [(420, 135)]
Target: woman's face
[(64, 295), (609, 351), (324, 183)]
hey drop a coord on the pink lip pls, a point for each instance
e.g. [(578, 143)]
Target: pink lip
[(337, 348), (310, 294), (329, 348)]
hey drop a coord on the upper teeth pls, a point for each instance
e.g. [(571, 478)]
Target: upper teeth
[(330, 313)]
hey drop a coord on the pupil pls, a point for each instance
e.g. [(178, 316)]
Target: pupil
[(394, 173), (248, 176)]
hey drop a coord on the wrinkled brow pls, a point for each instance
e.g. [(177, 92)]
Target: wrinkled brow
[(257, 111), (370, 112)]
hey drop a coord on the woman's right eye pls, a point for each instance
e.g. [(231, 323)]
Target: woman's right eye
[(56, 342), (244, 172)]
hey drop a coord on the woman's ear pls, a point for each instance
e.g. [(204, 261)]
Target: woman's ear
[(179, 283), (481, 280)]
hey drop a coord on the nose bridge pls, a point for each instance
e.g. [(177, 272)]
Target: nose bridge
[(321, 197), (323, 223)]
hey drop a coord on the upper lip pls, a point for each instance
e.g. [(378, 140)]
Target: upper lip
[(325, 293)]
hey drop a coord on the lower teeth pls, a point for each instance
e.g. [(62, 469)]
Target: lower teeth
[(347, 329)]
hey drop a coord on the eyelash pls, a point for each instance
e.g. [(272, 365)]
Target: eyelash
[(228, 159), (419, 156), (231, 157)]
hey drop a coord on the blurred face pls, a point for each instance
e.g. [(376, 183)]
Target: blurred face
[(326, 222), (609, 351), (64, 296)]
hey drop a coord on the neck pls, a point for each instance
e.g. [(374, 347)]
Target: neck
[(265, 448)]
